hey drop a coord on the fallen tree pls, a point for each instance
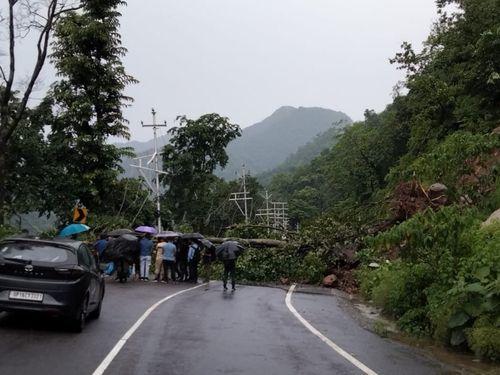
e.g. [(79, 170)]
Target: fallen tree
[(251, 242)]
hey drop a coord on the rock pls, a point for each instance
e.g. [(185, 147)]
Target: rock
[(437, 194), (495, 216), (330, 281), (437, 188), (374, 265)]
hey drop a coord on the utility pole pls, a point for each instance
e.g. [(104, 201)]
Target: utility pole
[(242, 196), (276, 216), (265, 213), (267, 197), (156, 170)]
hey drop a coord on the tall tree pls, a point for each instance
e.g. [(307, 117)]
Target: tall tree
[(23, 17), (87, 105), (196, 149), (454, 82)]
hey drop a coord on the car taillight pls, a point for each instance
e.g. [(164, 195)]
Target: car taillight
[(74, 272)]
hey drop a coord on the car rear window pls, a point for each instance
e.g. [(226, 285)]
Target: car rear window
[(36, 252)]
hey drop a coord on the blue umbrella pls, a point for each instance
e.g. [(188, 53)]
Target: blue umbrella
[(73, 229)]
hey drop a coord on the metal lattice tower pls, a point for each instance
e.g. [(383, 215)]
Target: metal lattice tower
[(275, 214), (241, 198)]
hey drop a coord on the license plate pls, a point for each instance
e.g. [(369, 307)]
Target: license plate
[(26, 296)]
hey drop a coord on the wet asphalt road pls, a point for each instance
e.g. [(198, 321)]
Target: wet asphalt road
[(204, 331)]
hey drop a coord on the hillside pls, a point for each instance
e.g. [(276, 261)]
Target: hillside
[(267, 144), (305, 154)]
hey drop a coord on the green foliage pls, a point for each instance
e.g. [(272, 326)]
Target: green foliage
[(184, 228), (484, 337), (273, 265), (26, 167), (196, 149), (106, 223), (6, 231), (312, 269), (329, 237), (84, 107), (449, 161), (305, 154), (453, 82), (351, 172), (130, 200), (431, 237), (447, 280)]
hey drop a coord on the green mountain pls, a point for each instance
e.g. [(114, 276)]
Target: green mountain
[(267, 144), (305, 154)]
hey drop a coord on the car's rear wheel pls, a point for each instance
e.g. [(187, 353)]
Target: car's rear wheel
[(77, 324)]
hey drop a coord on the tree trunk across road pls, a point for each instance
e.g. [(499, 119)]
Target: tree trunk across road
[(252, 242)]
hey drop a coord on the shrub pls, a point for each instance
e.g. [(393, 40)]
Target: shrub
[(447, 283), (273, 264), (6, 231), (312, 269), (484, 338), (402, 288)]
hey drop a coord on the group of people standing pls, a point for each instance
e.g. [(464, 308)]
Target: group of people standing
[(175, 260)]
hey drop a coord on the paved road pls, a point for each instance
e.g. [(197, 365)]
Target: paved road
[(204, 332)]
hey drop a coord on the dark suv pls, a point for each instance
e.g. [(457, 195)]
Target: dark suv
[(56, 276)]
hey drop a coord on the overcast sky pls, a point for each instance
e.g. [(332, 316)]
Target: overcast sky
[(245, 58)]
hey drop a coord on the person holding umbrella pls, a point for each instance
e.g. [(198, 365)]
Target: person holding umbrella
[(207, 257), (159, 259), (193, 258), (169, 253), (228, 253), (146, 247)]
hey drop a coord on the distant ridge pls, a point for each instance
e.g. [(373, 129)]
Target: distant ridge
[(267, 144), (305, 154)]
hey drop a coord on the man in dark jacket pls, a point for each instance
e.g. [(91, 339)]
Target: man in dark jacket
[(229, 252), (193, 260), (182, 260)]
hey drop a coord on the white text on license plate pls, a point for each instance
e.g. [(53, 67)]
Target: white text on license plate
[(26, 296)]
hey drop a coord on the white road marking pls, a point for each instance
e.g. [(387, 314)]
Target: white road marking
[(119, 345), (326, 340)]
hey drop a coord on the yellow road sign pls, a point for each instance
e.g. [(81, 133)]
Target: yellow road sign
[(80, 215)]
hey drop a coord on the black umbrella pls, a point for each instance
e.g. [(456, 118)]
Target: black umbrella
[(207, 243), (229, 250), (192, 236), (119, 232), (124, 247)]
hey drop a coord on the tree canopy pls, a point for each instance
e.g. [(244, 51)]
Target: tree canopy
[(196, 149)]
